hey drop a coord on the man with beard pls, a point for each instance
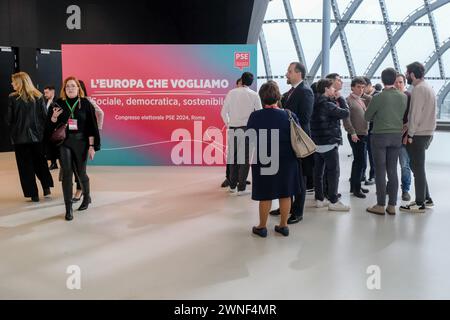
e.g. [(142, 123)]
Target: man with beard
[(421, 127), (300, 100)]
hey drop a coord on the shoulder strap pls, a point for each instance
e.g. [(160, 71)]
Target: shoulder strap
[(289, 114)]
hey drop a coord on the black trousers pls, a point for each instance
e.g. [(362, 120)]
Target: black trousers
[(298, 203), (227, 172), (239, 169), (359, 161), (416, 151), (73, 158), (330, 161), (31, 163), (52, 152), (369, 155)]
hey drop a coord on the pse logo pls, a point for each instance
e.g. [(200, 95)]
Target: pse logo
[(242, 60)]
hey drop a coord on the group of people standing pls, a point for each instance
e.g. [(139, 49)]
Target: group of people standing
[(382, 126), (32, 123)]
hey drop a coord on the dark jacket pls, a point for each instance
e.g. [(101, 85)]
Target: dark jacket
[(88, 117), (300, 102), (26, 119), (325, 121)]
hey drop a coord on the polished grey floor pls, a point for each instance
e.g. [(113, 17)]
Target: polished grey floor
[(173, 233)]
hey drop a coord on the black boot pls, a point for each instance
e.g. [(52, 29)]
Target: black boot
[(86, 196), (69, 211), (85, 203)]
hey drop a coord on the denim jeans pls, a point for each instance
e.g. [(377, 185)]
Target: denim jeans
[(406, 170)]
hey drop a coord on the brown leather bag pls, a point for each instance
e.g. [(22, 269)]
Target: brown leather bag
[(59, 134)]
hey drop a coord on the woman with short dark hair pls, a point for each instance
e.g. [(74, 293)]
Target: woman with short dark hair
[(284, 183)]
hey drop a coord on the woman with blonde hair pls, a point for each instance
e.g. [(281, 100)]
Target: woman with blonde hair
[(82, 139), (26, 119)]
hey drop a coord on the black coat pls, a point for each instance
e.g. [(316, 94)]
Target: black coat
[(325, 121), (300, 102), (90, 127), (26, 119)]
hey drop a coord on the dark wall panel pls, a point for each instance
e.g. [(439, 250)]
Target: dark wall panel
[(5, 38), (49, 71), (6, 69), (42, 23)]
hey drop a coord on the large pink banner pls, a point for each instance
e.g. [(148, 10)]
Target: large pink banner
[(161, 102)]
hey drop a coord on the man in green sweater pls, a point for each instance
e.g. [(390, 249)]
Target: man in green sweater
[(386, 110)]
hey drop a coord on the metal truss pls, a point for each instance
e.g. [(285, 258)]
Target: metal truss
[(386, 48), (387, 25), (442, 94), (434, 56), (348, 77), (317, 20), (435, 37), (348, 12), (265, 54), (343, 37), (294, 33)]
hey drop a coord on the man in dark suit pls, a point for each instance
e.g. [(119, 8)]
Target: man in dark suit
[(300, 100)]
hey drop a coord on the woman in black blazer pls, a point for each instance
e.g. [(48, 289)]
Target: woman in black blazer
[(26, 120)]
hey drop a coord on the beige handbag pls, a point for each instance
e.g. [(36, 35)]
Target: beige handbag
[(301, 143)]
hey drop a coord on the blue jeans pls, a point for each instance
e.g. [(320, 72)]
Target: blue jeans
[(406, 170)]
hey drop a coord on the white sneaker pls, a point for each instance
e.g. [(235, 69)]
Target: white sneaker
[(321, 203), (232, 191), (243, 193), (338, 206)]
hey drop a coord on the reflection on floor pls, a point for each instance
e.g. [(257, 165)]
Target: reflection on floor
[(173, 233)]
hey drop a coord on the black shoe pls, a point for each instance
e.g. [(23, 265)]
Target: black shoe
[(294, 219), (224, 184), (47, 192), (247, 182), (359, 195), (283, 230), (262, 232), (364, 190), (413, 208), (69, 212), (275, 212), (370, 182), (35, 199), (74, 199), (85, 203), (53, 166)]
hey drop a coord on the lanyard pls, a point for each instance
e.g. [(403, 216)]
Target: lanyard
[(72, 108)]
